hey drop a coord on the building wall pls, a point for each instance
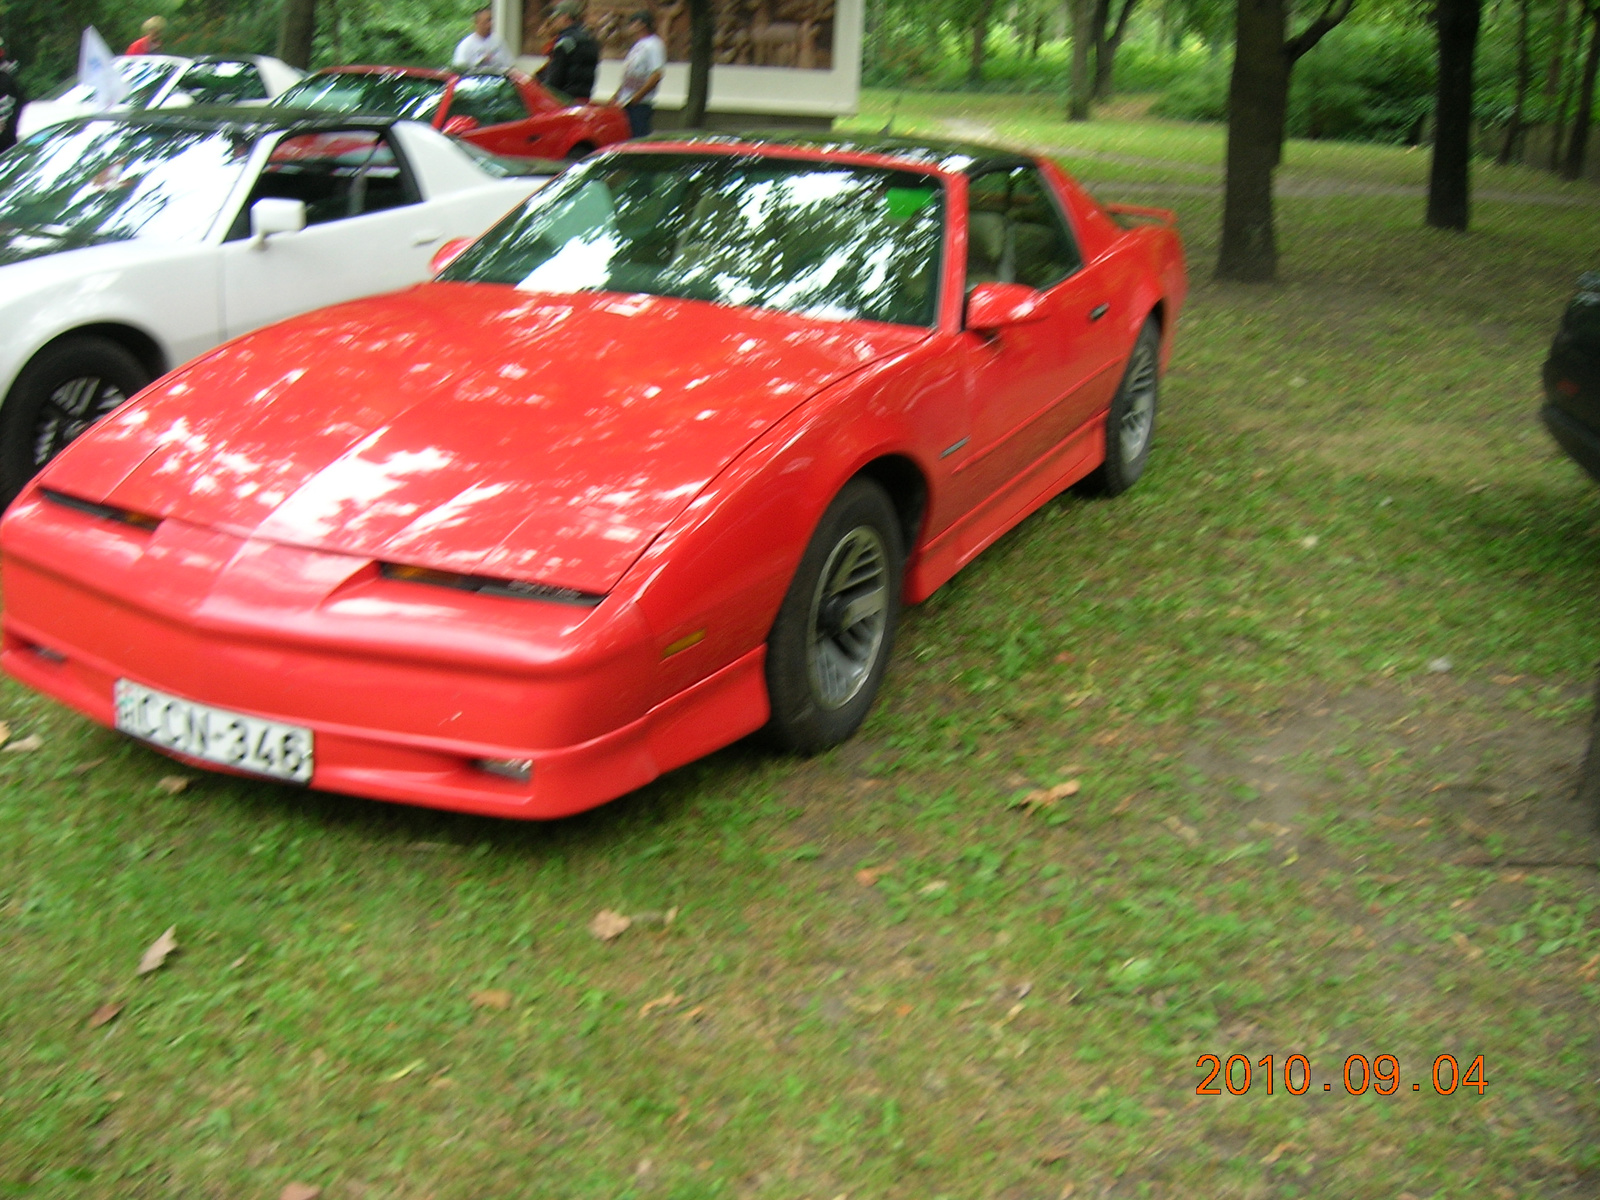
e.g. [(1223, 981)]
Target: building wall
[(761, 47)]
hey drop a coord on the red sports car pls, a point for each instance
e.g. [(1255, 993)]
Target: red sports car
[(650, 466), (507, 114)]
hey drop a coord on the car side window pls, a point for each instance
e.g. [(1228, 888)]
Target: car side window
[(337, 174), (223, 82), (1015, 232), (488, 99)]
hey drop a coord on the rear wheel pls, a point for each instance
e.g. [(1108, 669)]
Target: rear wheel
[(830, 644), (580, 150), (1131, 424), (67, 387)]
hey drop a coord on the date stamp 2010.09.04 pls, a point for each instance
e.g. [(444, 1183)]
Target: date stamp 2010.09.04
[(1381, 1074)]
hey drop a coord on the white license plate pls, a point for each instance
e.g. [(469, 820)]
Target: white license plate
[(214, 734)]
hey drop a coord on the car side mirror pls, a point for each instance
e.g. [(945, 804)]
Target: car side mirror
[(448, 253), (271, 215), (456, 126), (993, 306)]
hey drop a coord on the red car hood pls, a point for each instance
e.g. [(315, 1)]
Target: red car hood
[(467, 427)]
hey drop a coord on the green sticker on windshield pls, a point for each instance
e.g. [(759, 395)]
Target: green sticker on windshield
[(905, 203)]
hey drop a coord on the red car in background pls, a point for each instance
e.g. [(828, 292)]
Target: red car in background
[(652, 464), (506, 114)]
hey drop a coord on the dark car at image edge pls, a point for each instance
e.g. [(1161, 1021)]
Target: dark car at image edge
[(1572, 378)]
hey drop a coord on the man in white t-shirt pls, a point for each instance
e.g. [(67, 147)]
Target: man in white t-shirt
[(482, 49), (641, 73)]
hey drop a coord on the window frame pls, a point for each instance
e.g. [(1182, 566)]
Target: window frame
[(1052, 198)]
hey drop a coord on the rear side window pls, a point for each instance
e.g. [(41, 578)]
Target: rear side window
[(223, 83), (1015, 231), (338, 174)]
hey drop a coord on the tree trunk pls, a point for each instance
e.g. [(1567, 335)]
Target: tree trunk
[(1258, 95), (297, 31), (1449, 182), (1108, 40), (1508, 150), (980, 39), (1082, 81), (1568, 87), (702, 46), (1578, 139)]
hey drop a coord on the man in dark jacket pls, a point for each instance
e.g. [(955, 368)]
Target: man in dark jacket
[(11, 100), (574, 55)]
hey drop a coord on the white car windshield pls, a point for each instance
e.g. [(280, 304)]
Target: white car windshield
[(106, 181), (143, 78), (820, 239), (383, 93)]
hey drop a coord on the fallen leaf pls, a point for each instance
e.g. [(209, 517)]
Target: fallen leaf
[(82, 768), (608, 925), (1048, 797), (172, 784), (666, 1000), (1466, 947), (903, 1010), (32, 742), (238, 962), (408, 1069), (497, 998), (159, 949), (935, 887), (1068, 1192), (1590, 969), (868, 876), (1123, 805), (1309, 542), (104, 1015), (696, 1013), (5, 732), (1278, 1152), (1055, 1155), (1474, 830), (1505, 680), (300, 1191), (654, 917), (1108, 738), (1513, 876), (1188, 833)]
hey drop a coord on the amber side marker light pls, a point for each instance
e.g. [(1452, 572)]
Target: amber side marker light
[(106, 512), (488, 586)]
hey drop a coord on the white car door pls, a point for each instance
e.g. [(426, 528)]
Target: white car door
[(368, 229)]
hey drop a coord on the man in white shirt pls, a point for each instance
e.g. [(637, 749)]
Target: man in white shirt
[(641, 73), (482, 49)]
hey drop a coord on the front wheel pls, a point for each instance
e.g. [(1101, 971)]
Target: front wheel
[(66, 388), (1131, 423), (829, 646)]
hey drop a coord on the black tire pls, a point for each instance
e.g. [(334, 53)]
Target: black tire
[(68, 386), (834, 633), (579, 151), (1131, 424)]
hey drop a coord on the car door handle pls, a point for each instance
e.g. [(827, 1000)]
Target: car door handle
[(1098, 311), (425, 237)]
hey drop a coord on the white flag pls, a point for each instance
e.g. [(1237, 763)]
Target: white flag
[(98, 69)]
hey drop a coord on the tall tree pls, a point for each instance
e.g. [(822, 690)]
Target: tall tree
[(980, 40), (702, 48), (1109, 31), (1080, 83), (1258, 102), (1449, 176), (1508, 149), (1578, 139), (296, 34)]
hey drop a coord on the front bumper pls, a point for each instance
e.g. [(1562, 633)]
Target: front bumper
[(406, 688)]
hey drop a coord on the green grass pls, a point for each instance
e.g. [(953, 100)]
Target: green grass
[(1291, 835)]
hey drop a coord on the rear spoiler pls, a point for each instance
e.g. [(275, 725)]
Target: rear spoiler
[(1135, 212)]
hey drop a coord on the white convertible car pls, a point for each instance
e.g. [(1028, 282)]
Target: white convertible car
[(168, 81), (130, 244)]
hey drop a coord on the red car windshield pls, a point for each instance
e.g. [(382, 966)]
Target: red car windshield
[(413, 97), (815, 238)]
